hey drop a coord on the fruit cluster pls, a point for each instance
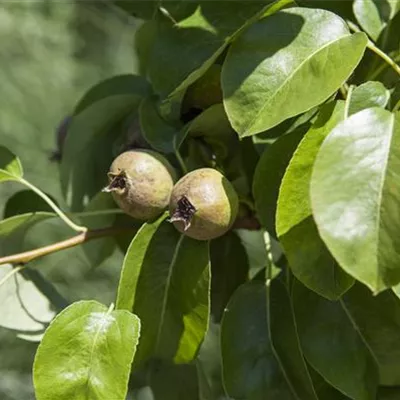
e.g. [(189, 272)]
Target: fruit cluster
[(203, 204)]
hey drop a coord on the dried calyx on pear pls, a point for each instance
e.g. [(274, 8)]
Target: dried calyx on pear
[(203, 204), (141, 182)]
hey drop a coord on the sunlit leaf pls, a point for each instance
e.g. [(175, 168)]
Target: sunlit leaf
[(268, 176), (286, 64), (355, 196), (86, 353), (165, 281), (369, 94), (308, 256), (10, 166)]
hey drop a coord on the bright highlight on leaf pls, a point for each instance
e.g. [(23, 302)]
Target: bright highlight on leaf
[(286, 64), (355, 196), (10, 166), (86, 354)]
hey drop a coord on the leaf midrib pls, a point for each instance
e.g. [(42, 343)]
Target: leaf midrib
[(166, 292), (285, 82)]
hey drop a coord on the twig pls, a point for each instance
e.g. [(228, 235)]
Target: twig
[(51, 203), (27, 256)]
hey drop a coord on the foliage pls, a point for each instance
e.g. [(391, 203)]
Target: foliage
[(300, 299)]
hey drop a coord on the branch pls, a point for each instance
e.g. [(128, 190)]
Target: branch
[(27, 256)]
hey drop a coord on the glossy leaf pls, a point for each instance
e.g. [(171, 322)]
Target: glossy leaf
[(165, 281), (260, 350), (117, 85), (87, 154), (332, 344), (378, 318), (157, 132), (369, 94), (307, 254), (229, 269), (374, 15), (209, 31), (306, 57), (23, 307), (102, 343), (268, 176), (355, 196), (10, 166)]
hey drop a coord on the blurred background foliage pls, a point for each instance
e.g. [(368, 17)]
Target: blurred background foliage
[(51, 52)]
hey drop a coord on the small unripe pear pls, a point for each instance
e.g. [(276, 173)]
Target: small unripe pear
[(141, 182), (203, 204)]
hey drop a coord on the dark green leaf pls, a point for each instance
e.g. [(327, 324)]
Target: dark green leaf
[(386, 393), (229, 269), (86, 353), (355, 196), (115, 86), (87, 154), (157, 132), (145, 36), (260, 350), (369, 94), (165, 281), (268, 176), (23, 307), (308, 256), (10, 166), (307, 55), (378, 318), (332, 344), (22, 221), (374, 15), (211, 26), (174, 382), (26, 201)]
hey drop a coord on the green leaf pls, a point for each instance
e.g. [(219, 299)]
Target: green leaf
[(342, 8), (286, 64), (23, 221), (23, 307), (332, 344), (174, 382), (374, 15), (157, 132), (260, 349), (229, 269), (367, 95), (165, 281), (116, 86), (355, 195), (10, 166), (86, 353), (307, 254), (87, 154), (211, 26), (378, 318), (254, 244), (145, 36), (268, 176)]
